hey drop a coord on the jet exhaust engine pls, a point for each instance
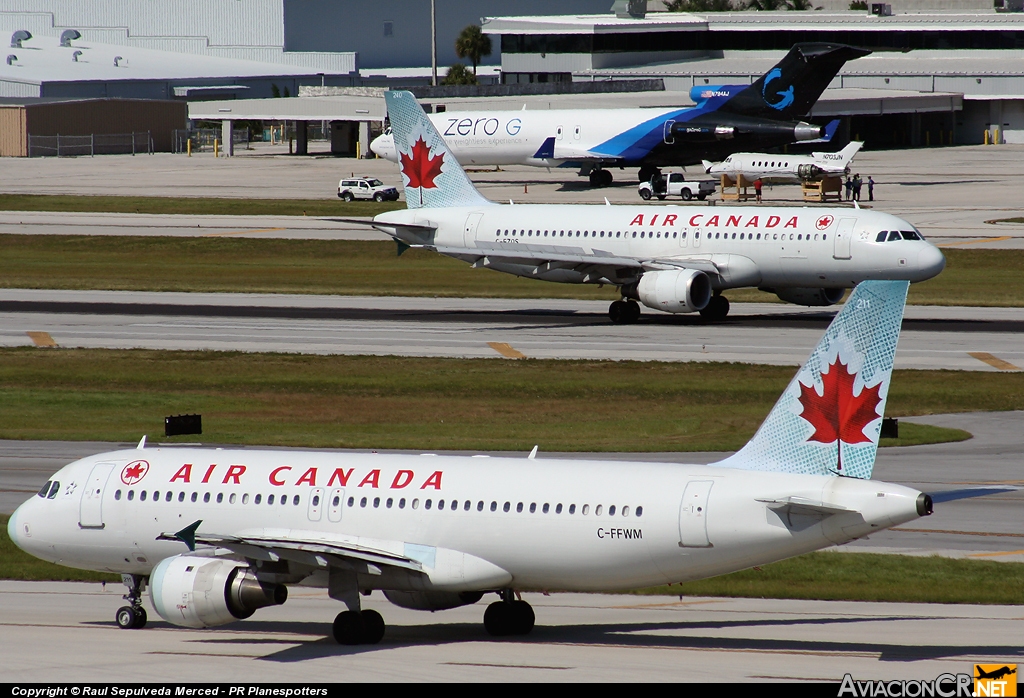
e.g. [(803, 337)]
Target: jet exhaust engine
[(432, 600), (781, 131), (198, 592), (811, 296), (675, 290)]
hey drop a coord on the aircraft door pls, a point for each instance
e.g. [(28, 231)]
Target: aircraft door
[(472, 221), (693, 515), (668, 136), (316, 504), (90, 512), (335, 503), (843, 236)]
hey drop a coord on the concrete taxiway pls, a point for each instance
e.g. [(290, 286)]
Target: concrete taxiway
[(65, 632), (976, 339)]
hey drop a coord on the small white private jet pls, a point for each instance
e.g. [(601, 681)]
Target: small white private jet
[(216, 534), (776, 167), (677, 259)]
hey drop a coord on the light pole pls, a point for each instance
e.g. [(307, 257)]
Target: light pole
[(433, 44)]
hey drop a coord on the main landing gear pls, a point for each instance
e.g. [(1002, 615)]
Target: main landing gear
[(624, 312), (358, 627), (510, 616), (132, 616), (600, 178), (716, 309)]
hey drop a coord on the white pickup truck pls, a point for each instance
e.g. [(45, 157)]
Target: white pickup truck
[(675, 184)]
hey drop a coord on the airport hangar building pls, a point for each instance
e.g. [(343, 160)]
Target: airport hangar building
[(964, 75)]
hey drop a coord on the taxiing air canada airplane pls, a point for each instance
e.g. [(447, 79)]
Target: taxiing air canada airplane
[(675, 259), (726, 118), (217, 534), (776, 167)]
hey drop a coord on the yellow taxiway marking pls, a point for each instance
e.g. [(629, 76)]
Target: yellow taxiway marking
[(242, 232), (993, 361), (975, 242), (506, 350), (41, 339), (1005, 552)]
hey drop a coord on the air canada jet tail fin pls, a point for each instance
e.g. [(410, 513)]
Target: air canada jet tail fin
[(828, 420), (790, 89), (433, 177)]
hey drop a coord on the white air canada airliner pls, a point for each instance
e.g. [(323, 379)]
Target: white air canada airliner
[(776, 167), (217, 534), (678, 259)]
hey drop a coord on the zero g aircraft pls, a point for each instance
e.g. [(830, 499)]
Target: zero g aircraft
[(217, 534), (726, 118), (675, 259)]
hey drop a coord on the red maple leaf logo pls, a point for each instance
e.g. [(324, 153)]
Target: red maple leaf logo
[(823, 222), (420, 168), (134, 471), (839, 415)]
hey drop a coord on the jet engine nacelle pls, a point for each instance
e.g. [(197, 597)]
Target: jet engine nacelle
[(432, 600), (198, 592), (783, 131), (675, 290), (811, 296)]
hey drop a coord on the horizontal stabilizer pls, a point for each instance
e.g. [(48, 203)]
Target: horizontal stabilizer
[(968, 493)]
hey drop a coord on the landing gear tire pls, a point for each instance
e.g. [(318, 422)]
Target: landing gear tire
[(358, 628), (716, 309), (128, 618), (600, 178), (624, 312), (509, 618)]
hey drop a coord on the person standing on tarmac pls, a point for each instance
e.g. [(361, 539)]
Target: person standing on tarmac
[(849, 188), (871, 189), (757, 189), (856, 187)]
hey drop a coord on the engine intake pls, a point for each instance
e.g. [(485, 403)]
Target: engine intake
[(811, 296), (200, 592), (675, 290)]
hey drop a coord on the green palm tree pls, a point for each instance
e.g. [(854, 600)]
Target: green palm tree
[(473, 44)]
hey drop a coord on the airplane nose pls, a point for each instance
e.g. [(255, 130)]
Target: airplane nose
[(382, 146), (14, 529), (930, 261)]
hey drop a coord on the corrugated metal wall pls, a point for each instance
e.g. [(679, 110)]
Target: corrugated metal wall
[(13, 139), (160, 118)]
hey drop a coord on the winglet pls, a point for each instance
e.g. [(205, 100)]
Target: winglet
[(533, 453), (187, 535), (830, 129), (402, 247), (142, 443)]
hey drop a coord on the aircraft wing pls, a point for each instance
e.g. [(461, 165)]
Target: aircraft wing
[(304, 547)]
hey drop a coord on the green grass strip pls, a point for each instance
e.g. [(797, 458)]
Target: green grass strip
[(194, 205), (347, 267), (432, 403)]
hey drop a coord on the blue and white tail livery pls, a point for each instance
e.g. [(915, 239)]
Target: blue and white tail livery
[(432, 176), (828, 419)]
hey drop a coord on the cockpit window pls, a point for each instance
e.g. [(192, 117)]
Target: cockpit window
[(881, 236), (45, 489), (54, 489), (894, 235), (910, 235)]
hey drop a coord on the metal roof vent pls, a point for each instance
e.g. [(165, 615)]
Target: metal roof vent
[(117, 61), (69, 35), (75, 55), (19, 36), (11, 58)]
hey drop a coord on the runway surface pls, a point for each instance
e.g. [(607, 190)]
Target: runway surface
[(65, 632), (989, 528), (974, 339)]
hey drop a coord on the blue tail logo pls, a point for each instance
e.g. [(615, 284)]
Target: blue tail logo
[(786, 95)]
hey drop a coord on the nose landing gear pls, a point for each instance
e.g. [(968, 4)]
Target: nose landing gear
[(133, 616), (510, 616)]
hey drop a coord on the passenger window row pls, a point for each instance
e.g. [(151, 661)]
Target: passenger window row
[(584, 233), (390, 502), (675, 235)]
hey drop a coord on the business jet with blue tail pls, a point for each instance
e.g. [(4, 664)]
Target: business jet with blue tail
[(726, 119), (678, 259), (217, 534)]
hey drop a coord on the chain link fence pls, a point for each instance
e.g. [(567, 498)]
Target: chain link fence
[(93, 144)]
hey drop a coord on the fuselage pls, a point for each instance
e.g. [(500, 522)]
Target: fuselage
[(774, 166), (638, 136), (768, 247), (566, 524)]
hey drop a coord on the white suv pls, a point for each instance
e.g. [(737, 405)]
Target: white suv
[(366, 188)]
